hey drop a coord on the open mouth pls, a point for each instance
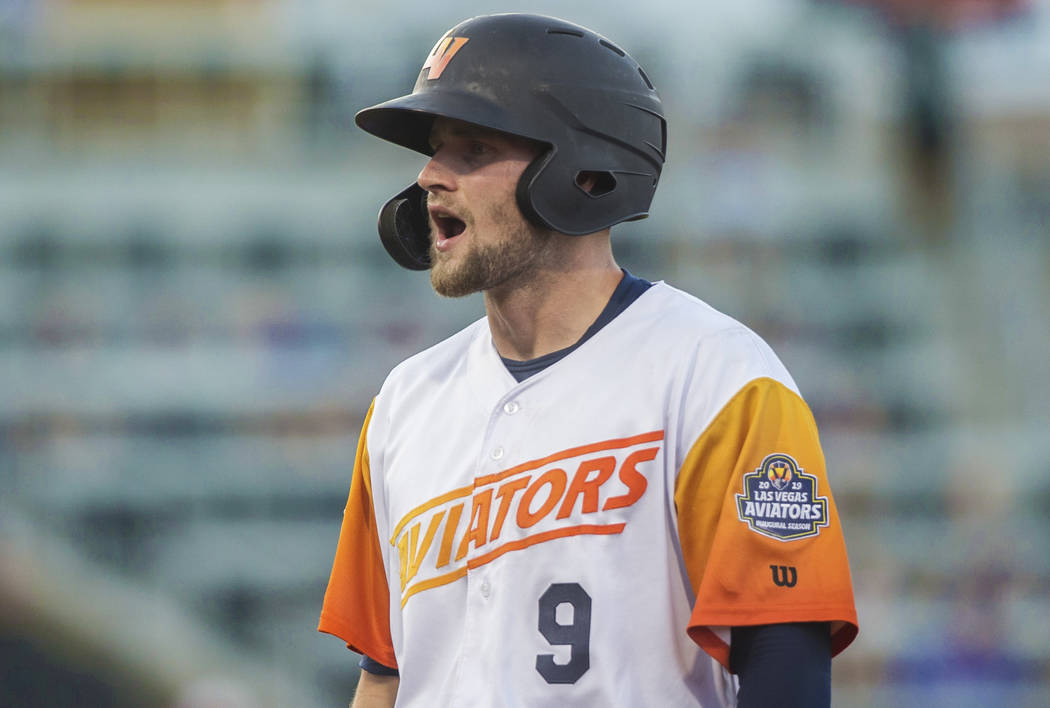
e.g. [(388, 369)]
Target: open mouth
[(448, 226)]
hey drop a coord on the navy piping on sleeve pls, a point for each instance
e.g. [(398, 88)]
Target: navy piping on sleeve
[(374, 667)]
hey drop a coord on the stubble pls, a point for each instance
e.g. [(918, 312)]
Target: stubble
[(512, 259)]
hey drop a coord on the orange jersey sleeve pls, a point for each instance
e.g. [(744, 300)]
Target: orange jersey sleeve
[(357, 602), (760, 534)]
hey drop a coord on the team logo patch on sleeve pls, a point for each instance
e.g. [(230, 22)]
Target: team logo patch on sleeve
[(781, 501)]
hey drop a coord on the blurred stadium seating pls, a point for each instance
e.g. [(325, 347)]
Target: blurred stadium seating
[(195, 313)]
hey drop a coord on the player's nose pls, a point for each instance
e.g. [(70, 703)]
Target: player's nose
[(436, 176)]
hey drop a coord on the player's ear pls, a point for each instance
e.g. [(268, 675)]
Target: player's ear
[(595, 183)]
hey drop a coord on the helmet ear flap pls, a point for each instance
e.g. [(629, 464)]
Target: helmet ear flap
[(523, 193), (404, 228), (551, 196)]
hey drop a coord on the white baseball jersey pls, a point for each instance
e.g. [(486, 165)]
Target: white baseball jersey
[(587, 537)]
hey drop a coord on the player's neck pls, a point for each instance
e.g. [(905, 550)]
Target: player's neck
[(556, 306)]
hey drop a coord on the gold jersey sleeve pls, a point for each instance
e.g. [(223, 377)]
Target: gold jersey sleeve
[(760, 535), (357, 602)]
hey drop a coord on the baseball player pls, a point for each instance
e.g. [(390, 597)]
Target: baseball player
[(604, 492)]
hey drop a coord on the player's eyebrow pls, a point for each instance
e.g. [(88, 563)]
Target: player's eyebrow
[(460, 129), (468, 131)]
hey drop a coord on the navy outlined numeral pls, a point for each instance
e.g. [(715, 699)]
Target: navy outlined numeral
[(576, 635)]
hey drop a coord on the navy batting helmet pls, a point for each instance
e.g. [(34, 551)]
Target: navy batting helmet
[(586, 100)]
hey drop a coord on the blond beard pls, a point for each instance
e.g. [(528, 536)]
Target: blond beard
[(485, 266)]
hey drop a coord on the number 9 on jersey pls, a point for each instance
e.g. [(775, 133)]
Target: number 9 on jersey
[(576, 634)]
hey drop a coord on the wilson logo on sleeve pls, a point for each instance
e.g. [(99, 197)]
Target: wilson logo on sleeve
[(781, 501), (784, 576), (585, 490)]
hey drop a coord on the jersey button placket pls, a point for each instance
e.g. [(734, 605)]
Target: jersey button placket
[(509, 408), (479, 589)]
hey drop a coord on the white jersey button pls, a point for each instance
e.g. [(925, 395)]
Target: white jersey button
[(511, 407), (485, 588), (497, 453)]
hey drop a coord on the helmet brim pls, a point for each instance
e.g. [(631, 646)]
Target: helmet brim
[(407, 121)]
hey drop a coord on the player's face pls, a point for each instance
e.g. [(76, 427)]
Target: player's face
[(479, 238)]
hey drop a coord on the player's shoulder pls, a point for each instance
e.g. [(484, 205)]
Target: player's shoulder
[(678, 314), (417, 382), (436, 361), (681, 307), (706, 338)]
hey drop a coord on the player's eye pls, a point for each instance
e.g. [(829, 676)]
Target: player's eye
[(478, 148)]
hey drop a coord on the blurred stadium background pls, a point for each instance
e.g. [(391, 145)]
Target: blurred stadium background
[(195, 312)]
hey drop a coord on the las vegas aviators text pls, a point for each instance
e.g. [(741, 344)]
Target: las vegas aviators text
[(530, 503)]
